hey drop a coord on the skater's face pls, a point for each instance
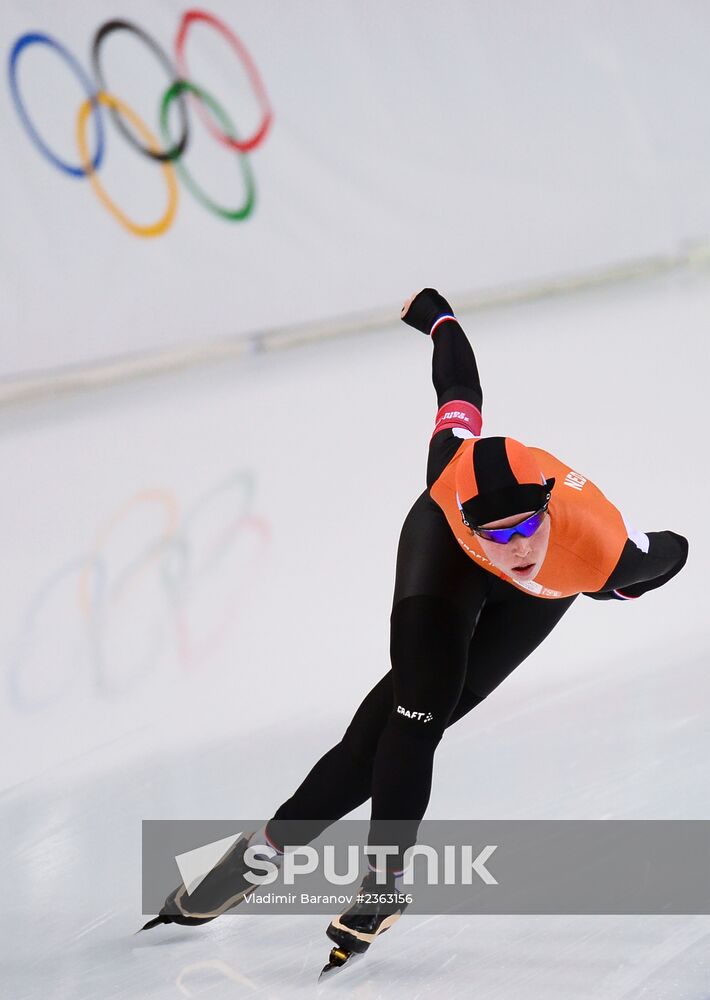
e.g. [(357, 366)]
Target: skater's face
[(520, 558)]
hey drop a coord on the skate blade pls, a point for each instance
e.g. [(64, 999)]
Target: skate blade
[(152, 923), (338, 959)]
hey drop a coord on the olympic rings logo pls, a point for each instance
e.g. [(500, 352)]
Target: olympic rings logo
[(181, 91), (155, 585)]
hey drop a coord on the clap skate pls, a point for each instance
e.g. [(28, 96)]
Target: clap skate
[(376, 908), (223, 888)]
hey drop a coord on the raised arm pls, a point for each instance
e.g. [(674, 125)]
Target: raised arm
[(454, 373), (454, 369)]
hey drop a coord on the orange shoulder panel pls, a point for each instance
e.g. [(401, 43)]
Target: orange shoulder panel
[(587, 533)]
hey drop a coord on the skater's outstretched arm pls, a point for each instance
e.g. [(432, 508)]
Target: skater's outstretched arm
[(647, 561), (454, 373)]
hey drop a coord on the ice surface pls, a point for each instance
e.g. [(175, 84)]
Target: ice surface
[(607, 720)]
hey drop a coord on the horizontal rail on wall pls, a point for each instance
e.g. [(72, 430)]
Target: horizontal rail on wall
[(96, 375)]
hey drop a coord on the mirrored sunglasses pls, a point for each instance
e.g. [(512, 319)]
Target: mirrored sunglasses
[(525, 528)]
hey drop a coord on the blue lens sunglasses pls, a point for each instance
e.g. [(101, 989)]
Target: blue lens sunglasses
[(526, 528)]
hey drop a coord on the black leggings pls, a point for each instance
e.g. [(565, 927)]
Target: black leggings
[(457, 631)]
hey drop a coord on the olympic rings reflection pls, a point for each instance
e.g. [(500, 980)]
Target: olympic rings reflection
[(212, 968), (150, 577), (180, 90), (166, 505)]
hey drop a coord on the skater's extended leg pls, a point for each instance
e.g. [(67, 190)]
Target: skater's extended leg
[(341, 780)]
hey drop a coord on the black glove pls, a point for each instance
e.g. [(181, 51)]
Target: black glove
[(425, 309)]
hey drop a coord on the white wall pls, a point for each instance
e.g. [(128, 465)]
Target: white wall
[(468, 145), (191, 555)]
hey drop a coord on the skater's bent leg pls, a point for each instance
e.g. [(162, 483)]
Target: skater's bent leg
[(341, 780), (429, 648), (438, 595)]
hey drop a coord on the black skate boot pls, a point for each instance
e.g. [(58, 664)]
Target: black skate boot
[(223, 888), (375, 909)]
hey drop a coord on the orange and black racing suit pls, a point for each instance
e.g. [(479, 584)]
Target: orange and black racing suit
[(459, 626)]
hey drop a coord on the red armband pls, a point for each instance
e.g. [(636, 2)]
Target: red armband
[(458, 413)]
